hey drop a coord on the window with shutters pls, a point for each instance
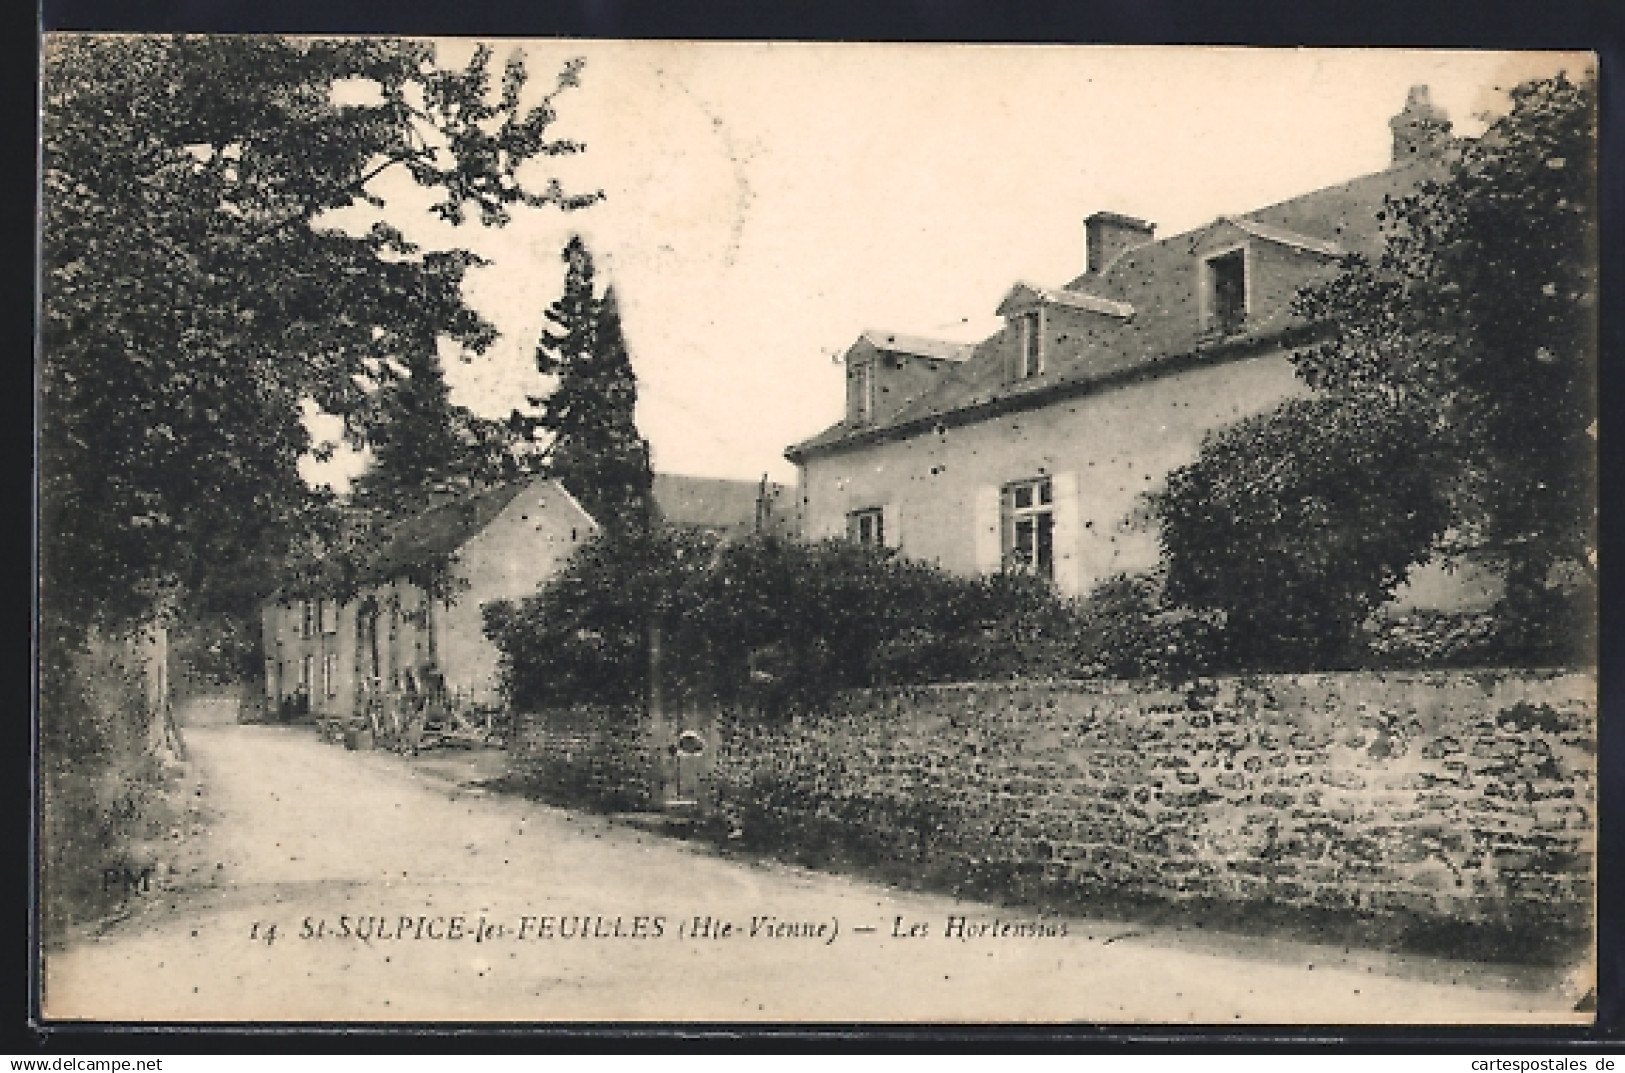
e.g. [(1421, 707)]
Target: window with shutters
[(1029, 527), (867, 526), (330, 674), (307, 618)]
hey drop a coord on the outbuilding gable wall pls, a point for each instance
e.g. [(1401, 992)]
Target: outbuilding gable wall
[(512, 557)]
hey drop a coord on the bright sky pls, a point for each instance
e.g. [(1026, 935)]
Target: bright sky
[(768, 202)]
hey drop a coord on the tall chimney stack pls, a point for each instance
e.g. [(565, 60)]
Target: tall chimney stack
[(1421, 130), (1106, 235)]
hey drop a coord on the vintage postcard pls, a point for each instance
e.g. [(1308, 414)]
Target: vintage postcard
[(593, 531)]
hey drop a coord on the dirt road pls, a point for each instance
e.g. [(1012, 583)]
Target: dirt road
[(396, 894)]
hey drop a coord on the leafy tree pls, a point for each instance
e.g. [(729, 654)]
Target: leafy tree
[(1481, 313), (595, 446), (1455, 409), (194, 297), (1297, 523)]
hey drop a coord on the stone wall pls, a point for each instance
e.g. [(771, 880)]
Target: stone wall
[(593, 756), (1466, 797)]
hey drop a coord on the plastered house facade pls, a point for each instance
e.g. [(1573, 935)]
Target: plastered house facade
[(323, 656), (1033, 449)]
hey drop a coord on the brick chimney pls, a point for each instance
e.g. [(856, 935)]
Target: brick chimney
[(1421, 130), (1108, 234)]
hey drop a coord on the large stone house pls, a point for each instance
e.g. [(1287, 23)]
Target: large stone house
[(330, 658), (1033, 449)]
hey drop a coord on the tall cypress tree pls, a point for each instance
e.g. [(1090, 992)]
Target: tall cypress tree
[(596, 450), (421, 441), (414, 444)]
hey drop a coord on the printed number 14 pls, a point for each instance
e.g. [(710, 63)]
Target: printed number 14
[(266, 932)]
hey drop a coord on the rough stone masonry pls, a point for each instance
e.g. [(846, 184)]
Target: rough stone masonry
[(1461, 796)]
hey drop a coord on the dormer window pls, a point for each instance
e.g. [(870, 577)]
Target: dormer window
[(1031, 326), (1224, 287), (1035, 317)]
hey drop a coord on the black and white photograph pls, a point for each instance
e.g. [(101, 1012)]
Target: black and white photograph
[(592, 531)]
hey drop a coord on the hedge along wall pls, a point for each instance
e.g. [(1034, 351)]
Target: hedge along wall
[(1443, 796)]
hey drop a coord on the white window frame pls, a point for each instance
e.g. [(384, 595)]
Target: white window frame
[(871, 518), (1038, 510), (1207, 296), (330, 674)]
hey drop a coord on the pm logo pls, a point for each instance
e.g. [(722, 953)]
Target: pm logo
[(127, 881)]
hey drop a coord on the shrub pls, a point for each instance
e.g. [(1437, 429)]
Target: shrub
[(1125, 631), (1430, 639), (1298, 523), (774, 625), (584, 638)]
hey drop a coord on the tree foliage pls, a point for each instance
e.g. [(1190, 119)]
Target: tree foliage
[(1299, 522), (194, 297), (1125, 628), (595, 447), (1481, 313), (584, 638), (1454, 407), (421, 441)]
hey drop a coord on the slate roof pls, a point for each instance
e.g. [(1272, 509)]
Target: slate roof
[(723, 506), (917, 345), (1156, 282), (442, 529), (1024, 293)]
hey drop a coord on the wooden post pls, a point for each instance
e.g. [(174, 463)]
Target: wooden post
[(655, 711), (656, 728), (166, 705)]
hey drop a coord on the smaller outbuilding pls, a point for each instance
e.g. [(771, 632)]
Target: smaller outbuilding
[(395, 642)]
